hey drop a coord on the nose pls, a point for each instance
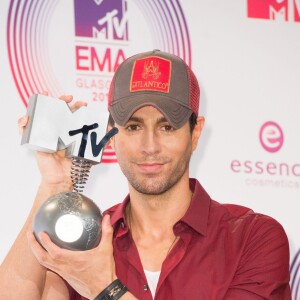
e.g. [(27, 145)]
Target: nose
[(150, 142)]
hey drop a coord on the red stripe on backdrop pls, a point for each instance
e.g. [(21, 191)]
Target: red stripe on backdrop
[(109, 155)]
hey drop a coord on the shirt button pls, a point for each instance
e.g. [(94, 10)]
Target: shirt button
[(146, 288), (123, 225)]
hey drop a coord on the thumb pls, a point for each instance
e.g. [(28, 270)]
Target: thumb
[(107, 232)]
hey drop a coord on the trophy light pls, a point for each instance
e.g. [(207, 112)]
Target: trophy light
[(71, 220)]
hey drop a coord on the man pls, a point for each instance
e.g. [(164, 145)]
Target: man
[(168, 239)]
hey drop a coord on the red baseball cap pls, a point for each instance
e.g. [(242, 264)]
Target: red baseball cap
[(158, 79)]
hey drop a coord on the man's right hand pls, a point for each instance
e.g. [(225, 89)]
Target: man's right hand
[(55, 167)]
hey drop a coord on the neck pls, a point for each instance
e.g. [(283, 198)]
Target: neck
[(156, 214)]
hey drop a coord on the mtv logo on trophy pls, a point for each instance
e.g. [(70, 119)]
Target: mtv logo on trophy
[(71, 220)]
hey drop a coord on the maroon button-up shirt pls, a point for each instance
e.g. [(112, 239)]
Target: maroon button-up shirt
[(224, 252)]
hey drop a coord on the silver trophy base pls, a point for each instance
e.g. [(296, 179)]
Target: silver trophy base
[(71, 220)]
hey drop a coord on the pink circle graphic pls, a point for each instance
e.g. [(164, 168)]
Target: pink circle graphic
[(271, 136), (27, 34), (29, 28), (295, 276)]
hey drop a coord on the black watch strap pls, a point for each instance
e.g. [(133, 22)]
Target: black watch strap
[(113, 292)]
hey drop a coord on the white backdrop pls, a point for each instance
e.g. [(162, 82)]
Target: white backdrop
[(245, 54)]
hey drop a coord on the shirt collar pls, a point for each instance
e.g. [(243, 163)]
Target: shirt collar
[(195, 217), (117, 212), (197, 213)]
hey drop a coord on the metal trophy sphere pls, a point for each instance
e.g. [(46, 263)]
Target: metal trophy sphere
[(72, 220)]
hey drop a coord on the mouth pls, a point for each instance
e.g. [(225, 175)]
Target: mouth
[(153, 167)]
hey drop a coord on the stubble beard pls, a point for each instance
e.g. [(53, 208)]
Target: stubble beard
[(157, 184)]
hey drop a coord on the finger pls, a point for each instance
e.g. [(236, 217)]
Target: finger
[(54, 251), (45, 93), (22, 122), (77, 105), (66, 98), (41, 254), (107, 232), (38, 251)]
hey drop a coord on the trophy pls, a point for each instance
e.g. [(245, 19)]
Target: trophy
[(72, 220)]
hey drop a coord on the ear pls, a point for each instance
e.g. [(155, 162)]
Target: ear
[(111, 141), (197, 131)]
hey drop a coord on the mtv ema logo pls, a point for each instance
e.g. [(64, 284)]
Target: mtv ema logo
[(286, 10), (109, 23), (101, 30), (106, 33), (76, 46)]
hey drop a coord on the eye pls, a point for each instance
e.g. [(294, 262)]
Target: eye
[(167, 128), (132, 127)]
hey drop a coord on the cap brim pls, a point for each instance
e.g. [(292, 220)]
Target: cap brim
[(176, 114)]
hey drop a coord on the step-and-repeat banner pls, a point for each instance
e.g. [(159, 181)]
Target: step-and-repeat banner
[(245, 54)]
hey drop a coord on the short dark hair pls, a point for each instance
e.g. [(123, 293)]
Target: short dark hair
[(192, 121), (111, 121)]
